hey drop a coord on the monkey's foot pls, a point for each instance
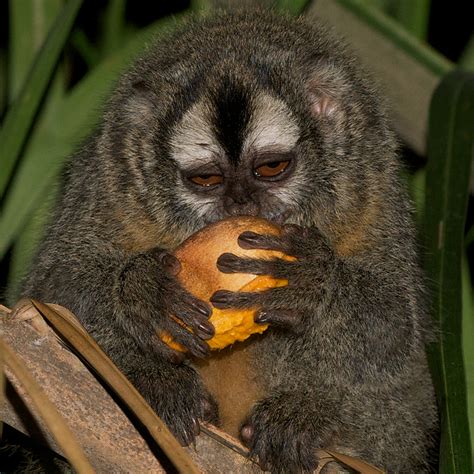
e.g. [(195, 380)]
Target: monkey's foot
[(180, 399), (283, 434)]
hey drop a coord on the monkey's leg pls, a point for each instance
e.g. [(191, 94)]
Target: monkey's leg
[(285, 429), (340, 329), (175, 392)]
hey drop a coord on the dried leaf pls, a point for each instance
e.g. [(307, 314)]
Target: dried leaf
[(355, 463), (68, 327), (55, 422)]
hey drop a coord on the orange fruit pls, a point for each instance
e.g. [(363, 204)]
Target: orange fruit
[(200, 276)]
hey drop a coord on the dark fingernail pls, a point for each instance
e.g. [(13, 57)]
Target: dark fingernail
[(262, 317), (205, 330), (186, 438), (200, 350), (196, 427), (203, 308), (247, 239), (249, 235), (219, 297)]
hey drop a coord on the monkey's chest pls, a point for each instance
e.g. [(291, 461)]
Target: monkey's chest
[(230, 377)]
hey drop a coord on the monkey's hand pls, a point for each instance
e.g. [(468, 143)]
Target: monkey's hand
[(284, 430), (153, 304), (288, 306)]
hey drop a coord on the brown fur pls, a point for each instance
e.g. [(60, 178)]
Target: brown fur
[(355, 235)]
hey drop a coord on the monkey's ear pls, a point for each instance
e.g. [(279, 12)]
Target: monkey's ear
[(139, 105), (325, 88), (322, 105)]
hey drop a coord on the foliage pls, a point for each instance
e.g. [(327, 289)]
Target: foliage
[(447, 188)]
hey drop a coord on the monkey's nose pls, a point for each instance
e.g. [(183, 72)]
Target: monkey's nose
[(246, 208)]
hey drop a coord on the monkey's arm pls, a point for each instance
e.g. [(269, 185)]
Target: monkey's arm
[(364, 320), (340, 362), (124, 300)]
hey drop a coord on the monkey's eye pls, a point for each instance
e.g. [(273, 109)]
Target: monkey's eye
[(272, 169), (207, 180)]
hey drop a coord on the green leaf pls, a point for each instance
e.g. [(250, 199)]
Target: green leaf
[(29, 23), (466, 61), (468, 341), (447, 182), (417, 192), (295, 7), (114, 22), (3, 82), (202, 7), (414, 16), (55, 140), (86, 49), (19, 119), (419, 51)]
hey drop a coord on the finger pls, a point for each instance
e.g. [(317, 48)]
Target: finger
[(196, 305), (293, 229), (283, 318), (252, 240), (168, 262), (204, 330), (247, 433), (296, 240), (194, 344), (275, 267), (305, 242), (175, 357), (292, 241), (273, 298), (156, 346), (145, 333), (186, 435), (194, 313), (224, 299), (171, 264)]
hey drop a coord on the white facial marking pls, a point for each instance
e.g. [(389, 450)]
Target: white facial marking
[(193, 143), (272, 126), (200, 205)]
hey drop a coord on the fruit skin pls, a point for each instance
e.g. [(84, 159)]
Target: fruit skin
[(199, 275)]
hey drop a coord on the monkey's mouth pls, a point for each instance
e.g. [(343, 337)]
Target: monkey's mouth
[(277, 216)]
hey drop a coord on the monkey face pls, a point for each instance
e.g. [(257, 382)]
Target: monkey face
[(236, 155), (293, 141)]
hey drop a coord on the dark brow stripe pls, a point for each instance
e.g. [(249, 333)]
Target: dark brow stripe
[(232, 114)]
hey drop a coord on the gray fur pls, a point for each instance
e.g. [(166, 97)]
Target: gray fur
[(344, 364)]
